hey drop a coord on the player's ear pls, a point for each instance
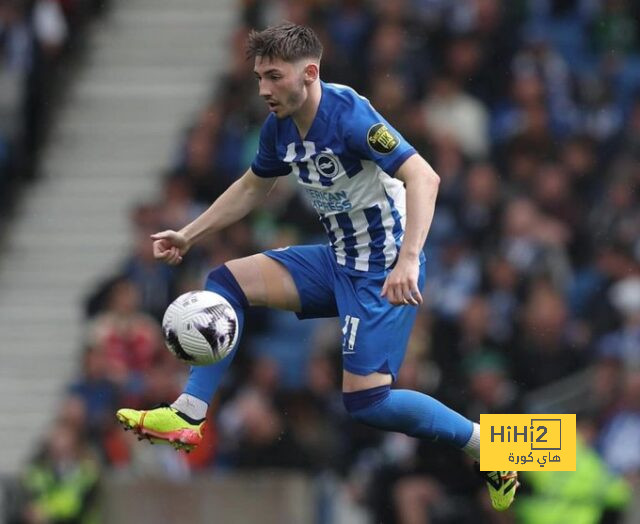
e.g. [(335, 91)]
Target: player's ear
[(311, 73)]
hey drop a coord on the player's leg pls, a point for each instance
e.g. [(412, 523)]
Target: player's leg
[(411, 412), (292, 279), (252, 281), (375, 339), (256, 280)]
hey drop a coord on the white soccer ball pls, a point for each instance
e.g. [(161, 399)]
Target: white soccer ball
[(200, 327)]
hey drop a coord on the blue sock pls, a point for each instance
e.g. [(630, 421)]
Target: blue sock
[(204, 380), (415, 414)]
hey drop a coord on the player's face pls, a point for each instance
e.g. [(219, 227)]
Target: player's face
[(281, 84)]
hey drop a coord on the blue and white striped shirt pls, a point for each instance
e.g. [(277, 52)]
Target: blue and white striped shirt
[(345, 165)]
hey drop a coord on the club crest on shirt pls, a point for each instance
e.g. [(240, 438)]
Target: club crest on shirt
[(380, 139), (327, 165)]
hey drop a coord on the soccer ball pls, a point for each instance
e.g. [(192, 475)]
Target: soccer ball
[(200, 327)]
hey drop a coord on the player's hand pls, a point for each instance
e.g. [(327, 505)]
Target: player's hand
[(401, 285), (169, 246)]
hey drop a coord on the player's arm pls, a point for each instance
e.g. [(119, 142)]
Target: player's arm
[(235, 203), (421, 181)]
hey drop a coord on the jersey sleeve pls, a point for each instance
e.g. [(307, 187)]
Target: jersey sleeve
[(266, 163), (371, 137)]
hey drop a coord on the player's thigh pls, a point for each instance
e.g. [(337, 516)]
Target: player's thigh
[(374, 344), (312, 269), (375, 333), (265, 282)]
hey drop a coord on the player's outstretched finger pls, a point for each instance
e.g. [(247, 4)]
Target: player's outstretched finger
[(161, 235)]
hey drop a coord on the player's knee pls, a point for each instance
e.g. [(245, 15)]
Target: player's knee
[(358, 402), (220, 280)]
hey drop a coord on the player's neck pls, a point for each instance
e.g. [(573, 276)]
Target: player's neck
[(303, 117)]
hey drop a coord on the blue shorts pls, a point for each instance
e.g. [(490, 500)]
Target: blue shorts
[(375, 333)]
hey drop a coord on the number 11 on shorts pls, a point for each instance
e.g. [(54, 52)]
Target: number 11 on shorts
[(349, 331)]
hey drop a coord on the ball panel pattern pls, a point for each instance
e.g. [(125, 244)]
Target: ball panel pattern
[(200, 327)]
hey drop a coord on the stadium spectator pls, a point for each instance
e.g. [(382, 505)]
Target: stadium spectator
[(590, 495), (451, 112), (60, 483), (96, 392), (544, 351), (128, 338), (618, 441)]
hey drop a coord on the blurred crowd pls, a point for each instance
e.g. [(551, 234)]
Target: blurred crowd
[(530, 113), (37, 39)]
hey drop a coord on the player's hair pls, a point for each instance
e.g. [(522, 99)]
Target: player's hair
[(286, 41)]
